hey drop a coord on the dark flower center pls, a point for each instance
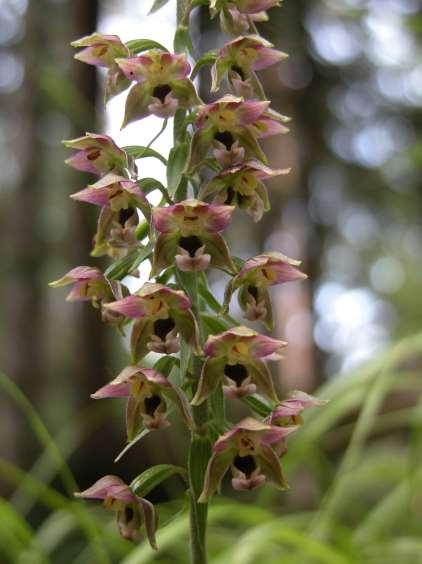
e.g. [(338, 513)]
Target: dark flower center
[(245, 464), (161, 92), (125, 214), (190, 244), (129, 514), (239, 71), (163, 326), (94, 154), (236, 372), (151, 405), (253, 291), (226, 138), (230, 195)]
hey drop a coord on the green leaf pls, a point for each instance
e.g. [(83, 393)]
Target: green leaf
[(150, 478), (147, 185), (199, 454), (140, 45), (213, 325), (176, 164), (207, 58), (185, 356), (157, 5), (257, 405), (140, 152), (132, 443), (166, 364), (125, 265), (182, 40)]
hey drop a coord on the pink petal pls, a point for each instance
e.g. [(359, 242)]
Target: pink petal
[(267, 57), (96, 196), (249, 111), (108, 486), (132, 306)]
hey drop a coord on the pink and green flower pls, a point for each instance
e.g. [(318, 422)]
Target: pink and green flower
[(254, 279), (162, 85), (89, 284), (236, 15), (242, 185), (98, 154), (231, 127), (162, 315), (116, 232), (101, 51), (114, 191), (133, 512), (148, 392), (190, 236), (240, 58), (235, 361), (247, 451)]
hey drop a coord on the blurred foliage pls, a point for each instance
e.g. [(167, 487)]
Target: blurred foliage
[(361, 507)]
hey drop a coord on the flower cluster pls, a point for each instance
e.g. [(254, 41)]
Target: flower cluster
[(223, 359)]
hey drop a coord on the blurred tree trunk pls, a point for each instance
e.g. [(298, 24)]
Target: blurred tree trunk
[(56, 352)]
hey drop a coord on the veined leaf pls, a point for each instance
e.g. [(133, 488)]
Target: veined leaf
[(140, 45), (127, 264), (176, 164), (182, 40), (207, 58), (141, 152), (152, 477)]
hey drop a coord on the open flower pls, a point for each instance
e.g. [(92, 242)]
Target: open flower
[(288, 414), (246, 450), (241, 57), (254, 279), (235, 15), (101, 51), (116, 232), (147, 391), (235, 359), (161, 314), (98, 154), (241, 185), (190, 236), (231, 126), (89, 284), (162, 85), (133, 512), (115, 191)]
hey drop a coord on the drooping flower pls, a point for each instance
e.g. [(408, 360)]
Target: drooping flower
[(115, 191), (101, 51), (231, 127), (190, 236), (162, 315), (241, 57), (288, 413), (116, 232), (241, 185), (133, 511), (89, 284), (147, 391), (235, 15), (246, 450), (99, 155), (162, 85), (235, 360), (254, 279)]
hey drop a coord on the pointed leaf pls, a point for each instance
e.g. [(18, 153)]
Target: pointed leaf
[(127, 264), (152, 477), (140, 152), (207, 58), (140, 45), (176, 164)]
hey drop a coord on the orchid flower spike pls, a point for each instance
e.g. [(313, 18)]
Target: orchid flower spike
[(99, 154), (235, 360), (241, 185), (242, 56), (190, 236), (246, 450), (132, 511), (161, 315), (101, 51), (147, 391), (254, 279), (162, 85)]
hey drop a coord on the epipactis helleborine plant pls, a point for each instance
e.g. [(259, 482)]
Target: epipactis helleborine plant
[(207, 359)]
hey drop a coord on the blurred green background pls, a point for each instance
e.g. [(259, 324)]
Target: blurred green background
[(350, 209)]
